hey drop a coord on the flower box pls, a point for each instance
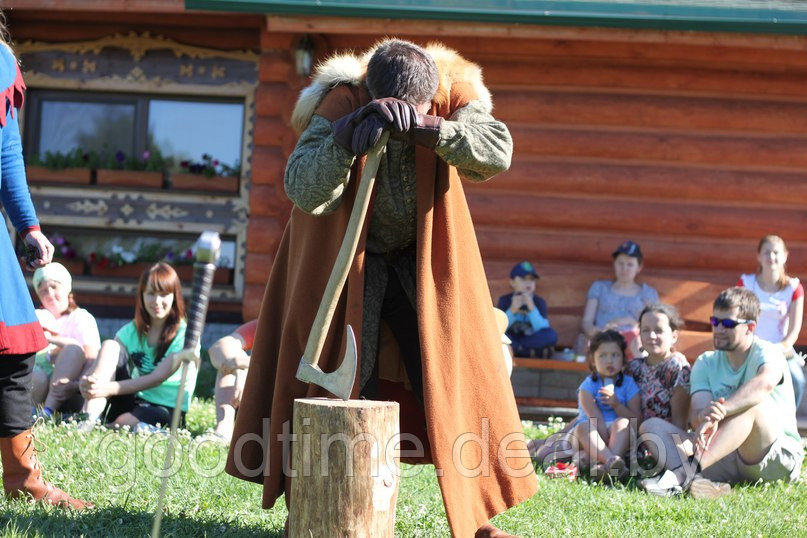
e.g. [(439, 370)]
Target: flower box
[(199, 182), (221, 277), (128, 271), (74, 266), (69, 176), (129, 178)]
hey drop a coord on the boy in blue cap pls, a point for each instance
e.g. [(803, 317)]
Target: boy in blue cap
[(528, 325)]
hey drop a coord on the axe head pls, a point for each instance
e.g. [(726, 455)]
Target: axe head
[(340, 381)]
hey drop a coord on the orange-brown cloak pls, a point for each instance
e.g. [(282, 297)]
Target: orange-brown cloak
[(467, 392)]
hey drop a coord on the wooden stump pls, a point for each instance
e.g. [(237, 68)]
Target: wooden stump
[(345, 460)]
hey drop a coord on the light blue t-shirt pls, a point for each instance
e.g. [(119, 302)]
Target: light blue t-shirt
[(611, 305), (627, 390), (713, 372)]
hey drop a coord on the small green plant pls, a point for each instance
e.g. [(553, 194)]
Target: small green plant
[(57, 160), (151, 160)]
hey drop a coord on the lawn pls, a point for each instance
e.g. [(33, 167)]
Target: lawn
[(120, 473)]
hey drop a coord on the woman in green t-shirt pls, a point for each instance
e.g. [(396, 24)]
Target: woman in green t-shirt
[(138, 371)]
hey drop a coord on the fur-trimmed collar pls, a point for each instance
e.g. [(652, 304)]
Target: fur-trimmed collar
[(350, 69)]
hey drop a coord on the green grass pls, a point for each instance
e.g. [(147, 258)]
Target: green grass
[(119, 472)]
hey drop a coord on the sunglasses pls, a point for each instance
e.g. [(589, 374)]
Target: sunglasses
[(728, 323)]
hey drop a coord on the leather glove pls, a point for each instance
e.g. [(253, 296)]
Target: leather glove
[(367, 134), (358, 131), (406, 123), (343, 128)]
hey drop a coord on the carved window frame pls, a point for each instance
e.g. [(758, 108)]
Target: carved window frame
[(175, 70)]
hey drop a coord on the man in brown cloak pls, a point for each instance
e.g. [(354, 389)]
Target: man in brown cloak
[(417, 276)]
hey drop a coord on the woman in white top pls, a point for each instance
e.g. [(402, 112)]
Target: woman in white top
[(781, 299), (72, 335)]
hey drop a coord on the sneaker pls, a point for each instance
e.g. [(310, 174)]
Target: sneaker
[(663, 485), (86, 426), (145, 427), (703, 488)]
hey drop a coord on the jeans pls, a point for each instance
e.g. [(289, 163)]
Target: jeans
[(797, 375)]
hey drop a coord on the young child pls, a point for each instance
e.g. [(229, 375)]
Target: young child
[(663, 374), (528, 326), (608, 399), (73, 339), (139, 369)]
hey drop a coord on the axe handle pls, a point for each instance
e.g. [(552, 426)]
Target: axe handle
[(341, 268)]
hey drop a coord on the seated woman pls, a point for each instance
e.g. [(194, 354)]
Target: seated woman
[(138, 371), (73, 339), (229, 357), (616, 304)]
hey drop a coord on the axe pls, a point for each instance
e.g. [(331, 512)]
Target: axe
[(208, 247), (340, 382)]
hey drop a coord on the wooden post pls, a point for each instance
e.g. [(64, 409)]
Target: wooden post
[(345, 460)]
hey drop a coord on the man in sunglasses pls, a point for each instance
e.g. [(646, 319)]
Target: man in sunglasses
[(742, 412)]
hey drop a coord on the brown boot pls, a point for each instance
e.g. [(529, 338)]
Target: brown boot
[(21, 474), (489, 531)]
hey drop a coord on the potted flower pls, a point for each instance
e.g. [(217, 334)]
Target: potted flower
[(64, 253), (122, 263), (209, 174), (182, 262), (118, 263), (73, 167), (121, 170)]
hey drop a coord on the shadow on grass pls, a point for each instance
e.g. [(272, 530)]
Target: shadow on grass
[(35, 520)]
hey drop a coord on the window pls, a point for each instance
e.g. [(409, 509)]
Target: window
[(186, 130), (183, 130)]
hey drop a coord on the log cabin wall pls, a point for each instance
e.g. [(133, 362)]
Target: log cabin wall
[(273, 142), (692, 144)]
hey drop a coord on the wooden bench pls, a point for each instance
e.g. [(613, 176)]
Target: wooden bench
[(546, 386)]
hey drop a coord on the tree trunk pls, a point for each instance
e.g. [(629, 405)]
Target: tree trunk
[(337, 496)]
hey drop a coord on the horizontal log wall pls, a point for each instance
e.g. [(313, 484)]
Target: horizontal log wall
[(693, 146)]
